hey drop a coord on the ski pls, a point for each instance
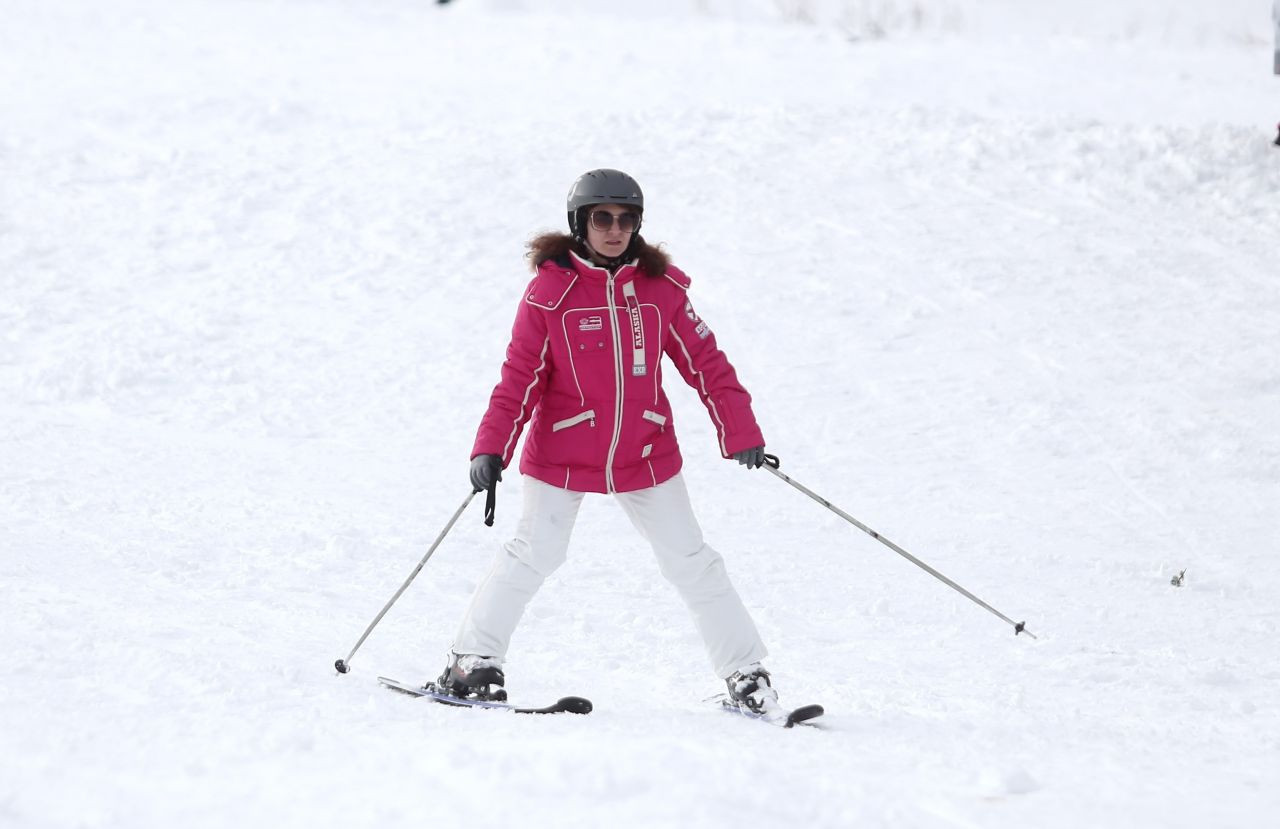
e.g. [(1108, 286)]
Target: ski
[(784, 719), (564, 705)]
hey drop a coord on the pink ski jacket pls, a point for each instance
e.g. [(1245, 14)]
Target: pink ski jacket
[(584, 369)]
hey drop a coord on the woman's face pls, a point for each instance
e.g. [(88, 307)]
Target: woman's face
[(605, 228)]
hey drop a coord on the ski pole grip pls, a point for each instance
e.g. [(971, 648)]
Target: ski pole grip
[(490, 503), (771, 461)]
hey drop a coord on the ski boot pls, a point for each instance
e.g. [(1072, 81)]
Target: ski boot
[(750, 688), (471, 676)]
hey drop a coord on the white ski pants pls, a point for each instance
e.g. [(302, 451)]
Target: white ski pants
[(665, 518)]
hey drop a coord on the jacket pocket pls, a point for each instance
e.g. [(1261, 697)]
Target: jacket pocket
[(650, 435), (654, 417), (587, 335), (589, 414)]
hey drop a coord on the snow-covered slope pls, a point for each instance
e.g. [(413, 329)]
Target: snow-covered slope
[(1002, 282)]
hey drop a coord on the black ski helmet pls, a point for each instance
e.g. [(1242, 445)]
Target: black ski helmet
[(601, 187)]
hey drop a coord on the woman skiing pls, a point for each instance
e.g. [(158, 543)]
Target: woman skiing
[(583, 371)]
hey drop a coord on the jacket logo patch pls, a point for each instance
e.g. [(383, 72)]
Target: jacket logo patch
[(593, 323), (702, 330), (688, 309), (637, 327)]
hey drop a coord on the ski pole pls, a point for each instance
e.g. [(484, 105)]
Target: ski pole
[(342, 664), (772, 463)]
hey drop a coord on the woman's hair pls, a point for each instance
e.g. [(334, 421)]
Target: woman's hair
[(557, 246)]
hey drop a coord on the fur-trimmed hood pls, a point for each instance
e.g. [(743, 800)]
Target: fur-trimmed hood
[(557, 247)]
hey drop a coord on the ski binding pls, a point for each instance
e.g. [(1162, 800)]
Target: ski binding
[(569, 705), (784, 718)]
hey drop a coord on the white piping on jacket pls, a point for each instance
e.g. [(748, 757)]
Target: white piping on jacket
[(702, 382), (617, 387), (573, 366), (657, 363), (551, 306), (515, 426)]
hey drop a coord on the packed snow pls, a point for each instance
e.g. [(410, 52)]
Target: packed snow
[(1001, 276)]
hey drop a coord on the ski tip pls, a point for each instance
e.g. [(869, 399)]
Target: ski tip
[(397, 685), (574, 705), (804, 713)]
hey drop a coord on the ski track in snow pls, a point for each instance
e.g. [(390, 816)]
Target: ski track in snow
[(1002, 283)]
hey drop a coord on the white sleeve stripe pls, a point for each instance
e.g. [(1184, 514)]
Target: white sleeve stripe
[(515, 426), (702, 382)]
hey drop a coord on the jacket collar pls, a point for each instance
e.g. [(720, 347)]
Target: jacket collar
[(596, 273)]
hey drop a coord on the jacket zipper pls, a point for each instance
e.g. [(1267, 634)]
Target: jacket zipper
[(617, 386)]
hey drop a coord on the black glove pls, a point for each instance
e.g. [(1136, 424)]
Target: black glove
[(750, 458), (485, 470)]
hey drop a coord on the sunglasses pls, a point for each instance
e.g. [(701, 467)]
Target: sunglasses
[(603, 220)]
